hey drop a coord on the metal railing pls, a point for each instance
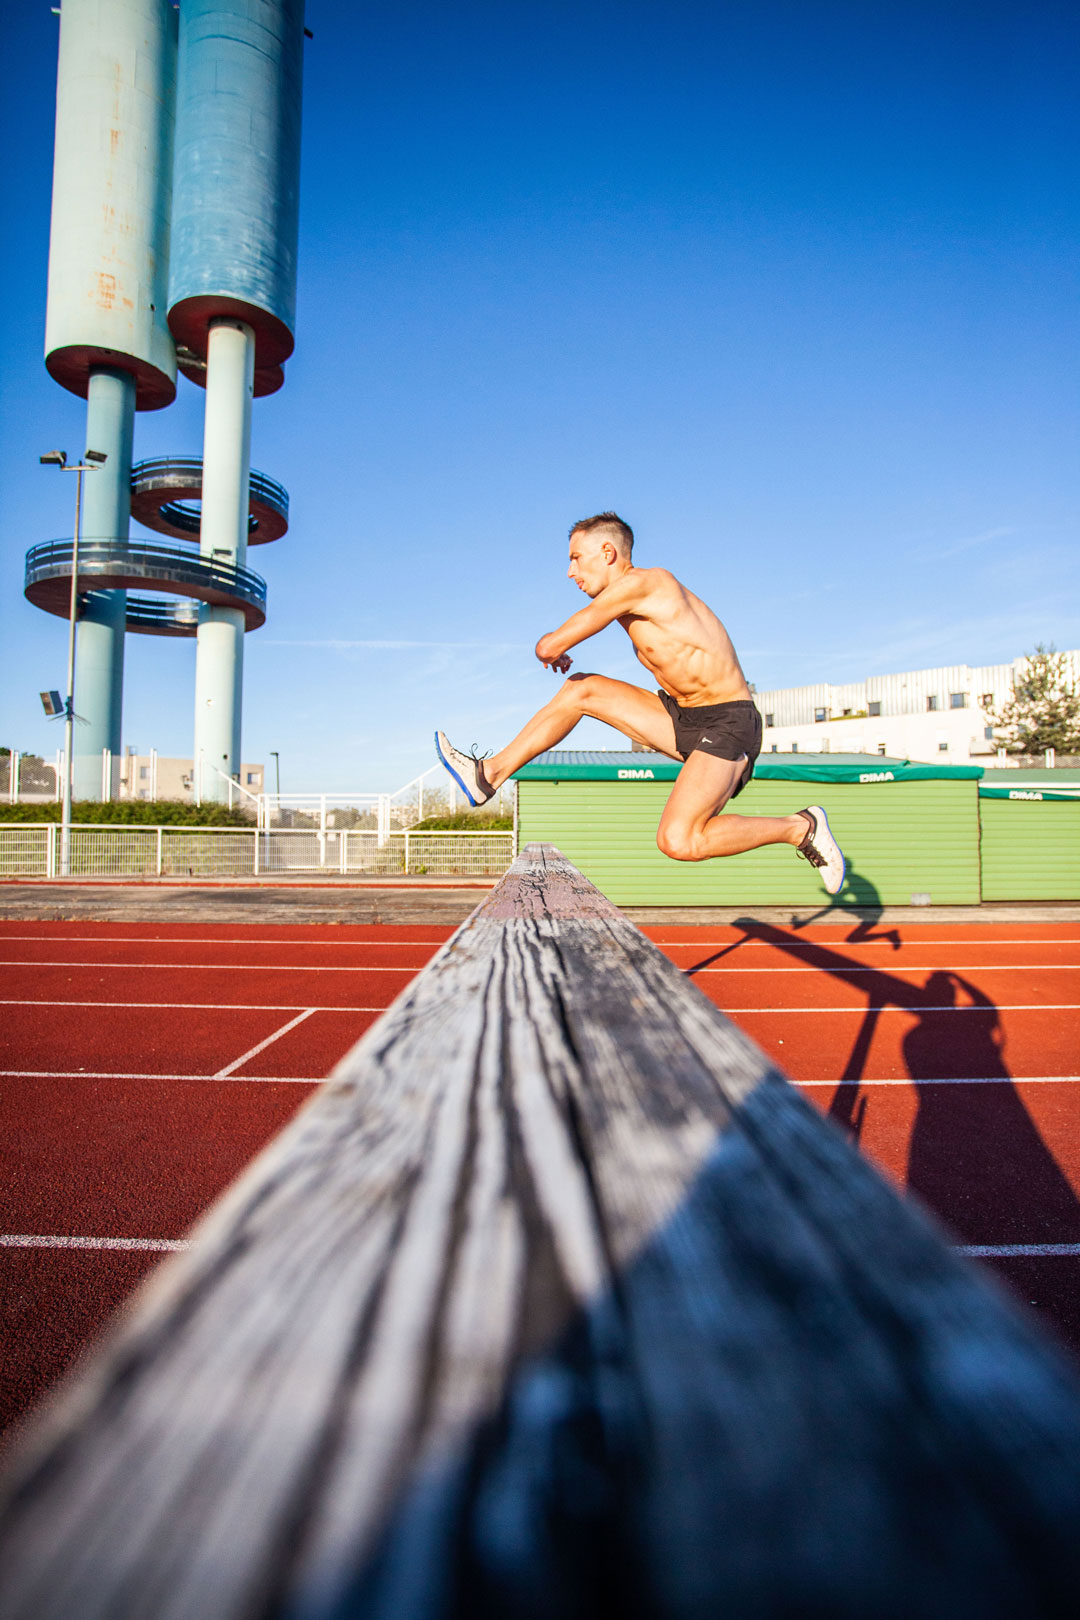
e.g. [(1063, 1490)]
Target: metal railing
[(32, 850), (268, 498), (124, 564)]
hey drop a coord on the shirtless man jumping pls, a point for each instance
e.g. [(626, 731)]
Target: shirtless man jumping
[(702, 714)]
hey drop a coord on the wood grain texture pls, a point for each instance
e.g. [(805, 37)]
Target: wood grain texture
[(556, 1301)]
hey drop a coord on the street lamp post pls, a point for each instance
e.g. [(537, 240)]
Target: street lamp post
[(276, 757), (94, 460)]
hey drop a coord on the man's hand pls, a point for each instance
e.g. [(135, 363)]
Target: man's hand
[(550, 658)]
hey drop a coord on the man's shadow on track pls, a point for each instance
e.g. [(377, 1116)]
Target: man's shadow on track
[(975, 1155)]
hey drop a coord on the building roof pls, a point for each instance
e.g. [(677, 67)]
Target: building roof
[(623, 765)]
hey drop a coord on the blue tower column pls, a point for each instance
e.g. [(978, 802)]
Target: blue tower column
[(106, 515), (219, 660)]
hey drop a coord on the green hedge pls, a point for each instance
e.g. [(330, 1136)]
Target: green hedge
[(139, 812), (465, 821)]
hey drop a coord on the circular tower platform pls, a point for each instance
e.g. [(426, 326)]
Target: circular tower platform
[(163, 489), (119, 565)]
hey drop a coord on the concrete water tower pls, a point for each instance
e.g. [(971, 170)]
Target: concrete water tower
[(232, 292), (173, 241)]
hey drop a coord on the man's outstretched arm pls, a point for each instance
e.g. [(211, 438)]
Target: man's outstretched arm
[(623, 596)]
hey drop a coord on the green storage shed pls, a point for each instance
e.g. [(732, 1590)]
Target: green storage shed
[(1030, 823), (906, 828)]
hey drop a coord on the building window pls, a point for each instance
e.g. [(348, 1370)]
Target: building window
[(144, 773), (794, 748), (931, 705), (881, 748), (775, 748), (943, 748), (957, 700), (874, 710), (987, 700), (820, 715), (250, 778), (988, 733), (770, 719)]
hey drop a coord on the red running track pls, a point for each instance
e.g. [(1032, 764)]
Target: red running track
[(142, 1066)]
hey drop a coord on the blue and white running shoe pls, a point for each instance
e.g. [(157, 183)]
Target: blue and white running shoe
[(820, 848), (466, 769)]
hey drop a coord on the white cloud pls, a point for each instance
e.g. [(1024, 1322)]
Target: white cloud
[(971, 541)]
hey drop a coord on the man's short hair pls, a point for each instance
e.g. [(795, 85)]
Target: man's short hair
[(610, 526)]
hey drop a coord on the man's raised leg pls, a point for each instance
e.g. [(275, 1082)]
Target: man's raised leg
[(692, 828), (630, 709)]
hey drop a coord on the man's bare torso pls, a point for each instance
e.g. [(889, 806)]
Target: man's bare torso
[(682, 643)]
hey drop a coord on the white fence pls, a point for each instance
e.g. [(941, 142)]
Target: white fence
[(33, 850)]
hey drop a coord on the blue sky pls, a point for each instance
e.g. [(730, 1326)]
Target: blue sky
[(792, 287)]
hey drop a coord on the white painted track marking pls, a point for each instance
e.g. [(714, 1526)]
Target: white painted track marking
[(894, 962), (916, 1011), (314, 1080), (21, 1240), (127, 1074), (955, 1080), (189, 1006), (690, 972), (747, 942), (277, 944), (892, 968), (213, 967), (264, 1006), (1019, 1251), (223, 1074)]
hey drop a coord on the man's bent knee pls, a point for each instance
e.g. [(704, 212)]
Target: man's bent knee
[(580, 690), (679, 844)]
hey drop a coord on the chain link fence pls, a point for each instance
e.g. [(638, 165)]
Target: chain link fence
[(216, 852)]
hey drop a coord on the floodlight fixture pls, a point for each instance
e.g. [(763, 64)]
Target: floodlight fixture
[(96, 455), (54, 458)]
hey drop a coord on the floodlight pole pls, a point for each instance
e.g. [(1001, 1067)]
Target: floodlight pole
[(94, 460), (69, 717)]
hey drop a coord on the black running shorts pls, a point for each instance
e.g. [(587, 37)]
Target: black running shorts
[(725, 730)]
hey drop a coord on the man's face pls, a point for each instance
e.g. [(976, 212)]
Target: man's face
[(590, 562)]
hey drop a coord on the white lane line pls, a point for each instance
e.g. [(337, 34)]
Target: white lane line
[(957, 1080), (276, 944), (890, 962), (212, 967), (748, 943), (223, 1074), (917, 1012), (128, 1074), (26, 1240), (315, 1080), (186, 1006), (988, 1251), (897, 967)]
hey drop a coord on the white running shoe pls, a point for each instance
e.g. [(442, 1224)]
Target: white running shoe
[(820, 848), (466, 769)]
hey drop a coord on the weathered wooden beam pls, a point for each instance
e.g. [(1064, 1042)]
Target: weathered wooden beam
[(556, 1301)]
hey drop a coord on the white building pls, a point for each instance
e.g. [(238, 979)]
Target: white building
[(923, 714), (155, 776)]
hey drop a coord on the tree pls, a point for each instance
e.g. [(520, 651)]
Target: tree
[(1044, 711)]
